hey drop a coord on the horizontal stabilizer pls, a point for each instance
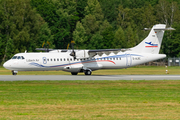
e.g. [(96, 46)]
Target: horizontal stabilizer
[(170, 28)]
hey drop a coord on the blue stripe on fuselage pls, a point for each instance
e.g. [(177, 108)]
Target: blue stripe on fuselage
[(86, 61)]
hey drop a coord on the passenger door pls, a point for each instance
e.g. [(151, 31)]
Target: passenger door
[(128, 59)]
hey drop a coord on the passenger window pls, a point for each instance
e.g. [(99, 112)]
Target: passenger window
[(47, 59), (64, 59), (61, 59), (54, 59), (71, 59), (51, 59), (58, 59)]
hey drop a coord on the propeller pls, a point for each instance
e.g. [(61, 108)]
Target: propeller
[(46, 45), (73, 53)]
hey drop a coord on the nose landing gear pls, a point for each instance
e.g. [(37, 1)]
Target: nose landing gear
[(14, 72)]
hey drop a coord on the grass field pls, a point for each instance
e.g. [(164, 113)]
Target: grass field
[(147, 70), (42, 100), (91, 99)]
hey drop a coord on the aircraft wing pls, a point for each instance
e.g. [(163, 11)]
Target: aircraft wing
[(44, 49), (84, 53), (104, 50), (90, 51)]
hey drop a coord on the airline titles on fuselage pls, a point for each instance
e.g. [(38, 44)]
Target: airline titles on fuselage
[(32, 60)]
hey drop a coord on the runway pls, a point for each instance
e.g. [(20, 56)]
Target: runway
[(83, 77)]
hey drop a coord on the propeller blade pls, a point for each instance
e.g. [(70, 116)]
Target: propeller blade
[(67, 46), (43, 44), (73, 53)]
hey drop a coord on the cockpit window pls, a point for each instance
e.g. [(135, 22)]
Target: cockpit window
[(17, 57), (14, 57)]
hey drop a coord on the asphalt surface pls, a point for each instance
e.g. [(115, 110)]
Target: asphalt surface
[(85, 77)]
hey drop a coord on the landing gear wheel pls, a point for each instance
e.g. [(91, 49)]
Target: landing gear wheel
[(74, 73), (87, 72), (14, 73)]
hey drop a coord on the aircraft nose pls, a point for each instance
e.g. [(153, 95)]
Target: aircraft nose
[(6, 65)]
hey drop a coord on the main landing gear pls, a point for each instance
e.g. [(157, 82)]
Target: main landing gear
[(74, 73), (86, 72), (14, 72)]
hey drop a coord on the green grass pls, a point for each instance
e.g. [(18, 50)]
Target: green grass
[(145, 70), (90, 100)]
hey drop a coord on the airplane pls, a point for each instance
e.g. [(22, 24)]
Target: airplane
[(76, 61)]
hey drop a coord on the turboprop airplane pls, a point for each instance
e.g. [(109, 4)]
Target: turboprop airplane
[(86, 61)]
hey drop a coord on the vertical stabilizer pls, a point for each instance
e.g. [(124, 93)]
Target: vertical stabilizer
[(152, 43)]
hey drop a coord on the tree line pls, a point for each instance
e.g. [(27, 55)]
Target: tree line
[(92, 24)]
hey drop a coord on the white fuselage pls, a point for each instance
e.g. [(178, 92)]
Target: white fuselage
[(63, 61)]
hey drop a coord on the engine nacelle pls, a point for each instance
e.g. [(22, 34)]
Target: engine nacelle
[(84, 54)]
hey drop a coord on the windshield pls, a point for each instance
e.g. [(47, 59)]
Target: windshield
[(14, 57), (17, 57)]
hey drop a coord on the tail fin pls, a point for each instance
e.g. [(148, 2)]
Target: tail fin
[(152, 43)]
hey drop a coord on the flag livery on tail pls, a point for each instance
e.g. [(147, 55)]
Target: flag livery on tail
[(152, 43)]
